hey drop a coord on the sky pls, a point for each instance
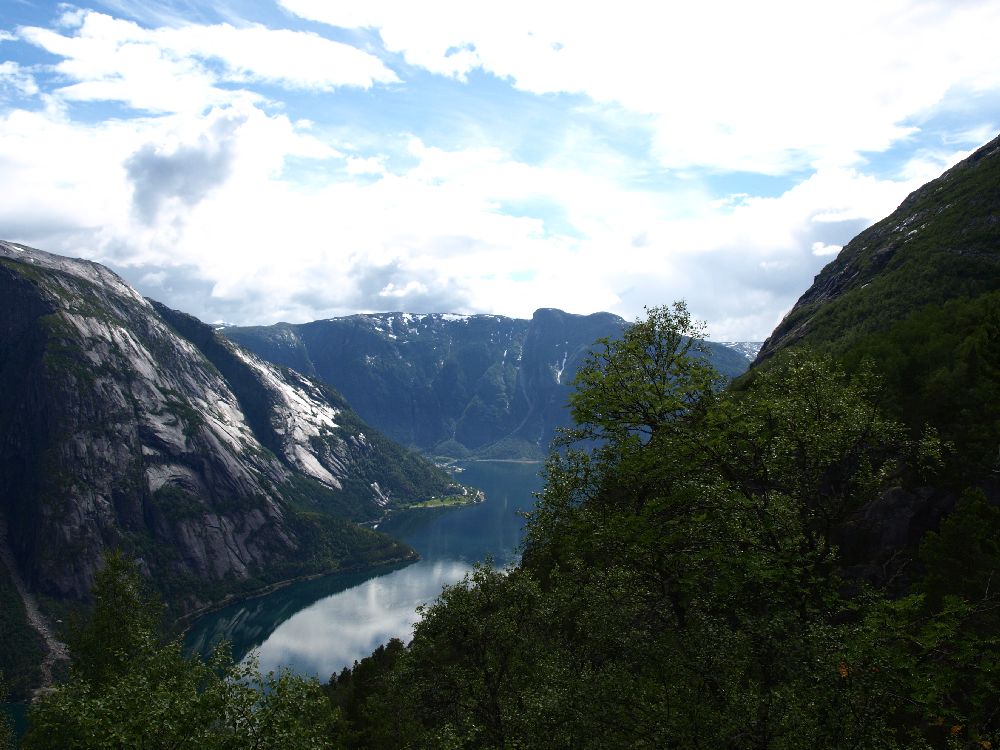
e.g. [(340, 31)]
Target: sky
[(256, 161)]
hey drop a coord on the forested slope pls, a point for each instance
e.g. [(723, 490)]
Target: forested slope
[(918, 296)]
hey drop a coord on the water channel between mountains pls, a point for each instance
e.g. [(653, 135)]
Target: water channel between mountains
[(318, 627)]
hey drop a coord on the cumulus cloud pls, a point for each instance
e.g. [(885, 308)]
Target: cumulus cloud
[(220, 200), (186, 173), (171, 69), (821, 249), (813, 84), (373, 165), (292, 58), (202, 215), (12, 75)]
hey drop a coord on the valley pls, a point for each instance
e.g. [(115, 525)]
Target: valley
[(828, 518), (136, 427), (499, 376)]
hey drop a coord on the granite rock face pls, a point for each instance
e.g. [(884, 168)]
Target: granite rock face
[(126, 424)]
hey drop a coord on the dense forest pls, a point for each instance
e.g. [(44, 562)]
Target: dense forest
[(682, 585)]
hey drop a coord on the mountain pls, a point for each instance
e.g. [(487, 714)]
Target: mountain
[(452, 384), (749, 349), (918, 296), (939, 245), (127, 424)]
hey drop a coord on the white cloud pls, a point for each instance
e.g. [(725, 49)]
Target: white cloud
[(222, 213), (373, 165), (768, 87), (12, 75), (294, 59), (154, 278), (170, 70), (822, 250), (234, 205)]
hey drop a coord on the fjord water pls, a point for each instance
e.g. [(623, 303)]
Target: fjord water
[(318, 627)]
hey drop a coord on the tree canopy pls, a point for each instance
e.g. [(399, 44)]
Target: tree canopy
[(130, 688), (682, 582)]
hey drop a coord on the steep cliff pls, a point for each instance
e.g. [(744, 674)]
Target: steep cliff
[(126, 424), (451, 384), (941, 244)]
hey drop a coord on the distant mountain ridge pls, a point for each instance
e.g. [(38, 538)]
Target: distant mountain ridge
[(453, 385)]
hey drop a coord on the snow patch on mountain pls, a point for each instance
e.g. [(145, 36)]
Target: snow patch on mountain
[(298, 415), (748, 349)]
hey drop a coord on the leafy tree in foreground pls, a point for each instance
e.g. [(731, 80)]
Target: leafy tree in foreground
[(129, 689), (681, 585), (645, 381)]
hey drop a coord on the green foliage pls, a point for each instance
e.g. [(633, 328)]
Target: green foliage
[(22, 649), (448, 501), (918, 295), (958, 640), (472, 644), (713, 542), (107, 640), (361, 696), (176, 503), (963, 556), (644, 381), (6, 726), (941, 366), (680, 586), (804, 436), (129, 688)]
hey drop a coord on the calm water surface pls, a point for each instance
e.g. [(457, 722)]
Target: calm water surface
[(318, 627)]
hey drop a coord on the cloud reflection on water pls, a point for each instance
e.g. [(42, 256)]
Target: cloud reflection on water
[(327, 636), (318, 626)]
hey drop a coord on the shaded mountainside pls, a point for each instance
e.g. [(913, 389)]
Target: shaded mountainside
[(449, 384), (127, 424), (918, 295), (940, 244)]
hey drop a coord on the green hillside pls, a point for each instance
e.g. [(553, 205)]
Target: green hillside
[(942, 243), (917, 295)]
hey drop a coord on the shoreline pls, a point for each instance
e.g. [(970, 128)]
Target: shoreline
[(449, 463), (504, 460), (185, 621)]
